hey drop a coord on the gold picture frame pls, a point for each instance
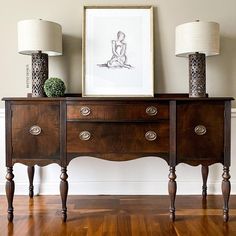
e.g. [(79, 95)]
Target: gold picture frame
[(117, 51)]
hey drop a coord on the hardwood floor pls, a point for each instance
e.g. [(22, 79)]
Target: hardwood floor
[(117, 215)]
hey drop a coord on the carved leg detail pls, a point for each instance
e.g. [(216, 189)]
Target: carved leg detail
[(31, 180), (205, 171), (172, 192), (226, 187), (10, 188), (64, 192)]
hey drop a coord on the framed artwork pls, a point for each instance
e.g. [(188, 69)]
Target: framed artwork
[(118, 51)]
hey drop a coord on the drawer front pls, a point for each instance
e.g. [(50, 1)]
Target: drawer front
[(200, 132), (117, 112), (35, 131), (117, 138)]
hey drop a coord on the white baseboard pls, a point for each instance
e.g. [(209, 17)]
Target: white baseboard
[(233, 112), (119, 188), (2, 113)]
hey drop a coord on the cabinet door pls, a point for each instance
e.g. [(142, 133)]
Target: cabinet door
[(200, 132), (36, 131)]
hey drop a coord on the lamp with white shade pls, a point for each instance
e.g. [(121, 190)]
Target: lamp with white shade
[(40, 39), (196, 40)]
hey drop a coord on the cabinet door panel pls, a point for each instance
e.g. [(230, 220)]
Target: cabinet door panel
[(194, 144), (43, 141)]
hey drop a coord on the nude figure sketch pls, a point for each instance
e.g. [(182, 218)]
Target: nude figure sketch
[(119, 58)]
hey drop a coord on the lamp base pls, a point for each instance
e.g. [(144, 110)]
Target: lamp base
[(197, 75), (39, 73)]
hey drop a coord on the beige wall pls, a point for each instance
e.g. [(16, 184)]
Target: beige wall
[(171, 73)]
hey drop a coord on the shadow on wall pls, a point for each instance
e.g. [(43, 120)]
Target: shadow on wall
[(228, 49), (71, 62), (158, 62), (224, 67)]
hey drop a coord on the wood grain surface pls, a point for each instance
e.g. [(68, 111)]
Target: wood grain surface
[(118, 216)]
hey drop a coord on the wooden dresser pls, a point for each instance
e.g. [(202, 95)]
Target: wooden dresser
[(178, 129)]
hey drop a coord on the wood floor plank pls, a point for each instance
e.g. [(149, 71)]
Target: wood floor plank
[(138, 225), (124, 225), (95, 225), (117, 216), (161, 226), (110, 225)]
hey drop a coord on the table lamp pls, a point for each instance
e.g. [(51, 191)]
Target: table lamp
[(40, 39), (196, 40)]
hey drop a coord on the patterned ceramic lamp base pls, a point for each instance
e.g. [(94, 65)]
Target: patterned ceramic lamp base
[(39, 73), (197, 75)]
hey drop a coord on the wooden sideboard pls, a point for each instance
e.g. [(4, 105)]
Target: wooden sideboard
[(178, 129)]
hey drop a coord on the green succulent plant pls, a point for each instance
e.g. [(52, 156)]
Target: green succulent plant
[(54, 87)]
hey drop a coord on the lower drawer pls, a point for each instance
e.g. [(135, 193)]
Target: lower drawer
[(117, 137)]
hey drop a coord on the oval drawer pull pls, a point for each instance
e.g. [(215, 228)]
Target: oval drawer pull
[(151, 111), (151, 135), (35, 130), (200, 130), (85, 111), (85, 135)]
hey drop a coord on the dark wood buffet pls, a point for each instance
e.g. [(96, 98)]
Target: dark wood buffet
[(174, 127)]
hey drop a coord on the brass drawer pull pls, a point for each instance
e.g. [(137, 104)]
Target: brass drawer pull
[(151, 136), (151, 111), (85, 135), (200, 130), (85, 111), (35, 130)]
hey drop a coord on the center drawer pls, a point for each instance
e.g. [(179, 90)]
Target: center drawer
[(98, 137), (127, 111)]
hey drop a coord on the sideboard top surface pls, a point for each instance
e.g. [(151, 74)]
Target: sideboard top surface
[(157, 97)]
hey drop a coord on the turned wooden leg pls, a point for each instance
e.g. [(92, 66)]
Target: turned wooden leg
[(64, 192), (226, 192), (10, 188), (205, 171), (31, 180), (172, 192)]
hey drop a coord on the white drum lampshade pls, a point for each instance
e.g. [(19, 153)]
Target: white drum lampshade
[(39, 38), (197, 40)]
